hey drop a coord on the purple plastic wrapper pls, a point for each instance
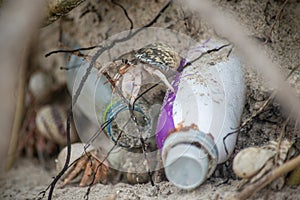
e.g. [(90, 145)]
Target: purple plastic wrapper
[(165, 121)]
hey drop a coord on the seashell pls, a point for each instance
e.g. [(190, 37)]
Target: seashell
[(159, 55), (77, 150), (256, 163), (40, 84), (51, 123), (250, 160)]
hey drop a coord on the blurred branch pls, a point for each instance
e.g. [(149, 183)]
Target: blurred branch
[(18, 25), (233, 31), (249, 49), (58, 8), (18, 118)]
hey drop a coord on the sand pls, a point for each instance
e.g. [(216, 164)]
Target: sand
[(29, 177)]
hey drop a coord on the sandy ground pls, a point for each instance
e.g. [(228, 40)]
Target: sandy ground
[(29, 177)]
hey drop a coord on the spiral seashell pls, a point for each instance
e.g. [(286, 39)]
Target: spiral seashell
[(51, 123)]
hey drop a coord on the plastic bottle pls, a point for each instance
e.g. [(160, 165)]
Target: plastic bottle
[(195, 120), (100, 105)]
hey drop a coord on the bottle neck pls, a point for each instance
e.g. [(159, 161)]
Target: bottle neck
[(124, 126)]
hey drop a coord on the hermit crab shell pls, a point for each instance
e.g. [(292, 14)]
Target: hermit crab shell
[(161, 55), (250, 160), (40, 84), (51, 123), (77, 150)]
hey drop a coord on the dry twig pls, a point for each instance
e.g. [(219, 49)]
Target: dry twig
[(268, 178), (277, 19)]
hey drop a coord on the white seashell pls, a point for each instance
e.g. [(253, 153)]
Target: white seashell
[(77, 150), (40, 84), (250, 160), (51, 123)]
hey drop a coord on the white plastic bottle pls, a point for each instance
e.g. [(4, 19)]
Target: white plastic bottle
[(195, 120)]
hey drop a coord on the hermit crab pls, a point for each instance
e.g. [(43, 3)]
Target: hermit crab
[(89, 165), (253, 163), (156, 59), (45, 131)]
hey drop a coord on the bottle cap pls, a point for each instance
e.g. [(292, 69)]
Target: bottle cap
[(186, 166), (189, 157)]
